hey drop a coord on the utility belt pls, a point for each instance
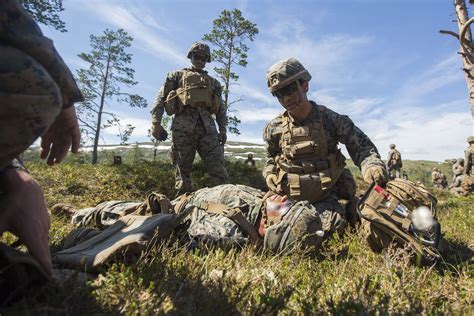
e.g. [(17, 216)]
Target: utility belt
[(306, 167)]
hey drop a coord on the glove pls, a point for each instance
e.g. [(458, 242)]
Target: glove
[(271, 181), (222, 138), (376, 173), (159, 132)]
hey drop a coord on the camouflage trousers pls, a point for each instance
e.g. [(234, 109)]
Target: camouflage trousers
[(394, 172), (185, 145), (30, 100), (104, 214)]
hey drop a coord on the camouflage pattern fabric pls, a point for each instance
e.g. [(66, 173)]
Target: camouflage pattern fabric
[(469, 160), (316, 221), (193, 129), (393, 164), (338, 129), (438, 179), (34, 81), (306, 226), (104, 214), (214, 228)]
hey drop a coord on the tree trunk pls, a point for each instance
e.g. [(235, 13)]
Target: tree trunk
[(99, 114), (467, 50)]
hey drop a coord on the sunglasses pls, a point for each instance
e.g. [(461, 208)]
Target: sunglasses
[(200, 57), (288, 90)]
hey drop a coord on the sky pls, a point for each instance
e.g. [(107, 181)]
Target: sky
[(381, 62)]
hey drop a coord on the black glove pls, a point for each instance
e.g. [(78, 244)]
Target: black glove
[(159, 132), (222, 138)]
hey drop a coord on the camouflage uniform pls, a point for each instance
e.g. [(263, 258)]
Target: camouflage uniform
[(394, 162), (34, 82), (193, 129), (250, 161), (310, 224), (303, 157), (469, 157), (438, 179), (458, 172)]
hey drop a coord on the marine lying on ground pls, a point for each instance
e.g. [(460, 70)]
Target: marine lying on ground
[(235, 215)]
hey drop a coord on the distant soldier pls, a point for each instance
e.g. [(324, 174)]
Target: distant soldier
[(194, 98), (394, 162), (404, 175), (250, 161), (458, 172), (459, 178), (438, 179), (469, 157)]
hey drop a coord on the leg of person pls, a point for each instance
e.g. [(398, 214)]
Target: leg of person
[(30, 100), (397, 173), (212, 155), (183, 152)]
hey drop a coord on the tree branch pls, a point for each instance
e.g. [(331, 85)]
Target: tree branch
[(449, 33)]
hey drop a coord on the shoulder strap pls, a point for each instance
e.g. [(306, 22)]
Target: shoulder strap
[(234, 214)]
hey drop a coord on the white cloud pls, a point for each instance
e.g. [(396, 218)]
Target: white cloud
[(140, 25), (253, 114)]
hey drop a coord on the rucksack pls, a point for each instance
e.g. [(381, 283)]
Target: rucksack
[(404, 213)]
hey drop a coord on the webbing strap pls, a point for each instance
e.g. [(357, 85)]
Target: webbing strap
[(234, 214)]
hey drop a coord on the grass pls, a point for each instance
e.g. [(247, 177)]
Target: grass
[(345, 277)]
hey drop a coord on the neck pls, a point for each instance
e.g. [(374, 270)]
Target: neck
[(302, 112)]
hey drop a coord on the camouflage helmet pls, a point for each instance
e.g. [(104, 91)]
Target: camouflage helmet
[(460, 160), (300, 227), (285, 72), (470, 139), (202, 48), (392, 146), (435, 169)]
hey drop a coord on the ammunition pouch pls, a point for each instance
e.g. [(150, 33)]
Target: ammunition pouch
[(196, 91), (308, 181), (172, 103)]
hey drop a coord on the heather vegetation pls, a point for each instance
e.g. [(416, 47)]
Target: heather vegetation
[(345, 277)]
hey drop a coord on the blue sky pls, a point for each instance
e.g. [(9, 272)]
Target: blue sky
[(382, 62)]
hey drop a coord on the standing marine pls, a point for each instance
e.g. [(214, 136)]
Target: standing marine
[(394, 162), (438, 179), (303, 158), (469, 157), (194, 98)]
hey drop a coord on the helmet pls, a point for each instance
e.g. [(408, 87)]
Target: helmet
[(470, 139), (198, 47), (435, 169), (460, 160), (285, 72), (300, 226), (392, 146)]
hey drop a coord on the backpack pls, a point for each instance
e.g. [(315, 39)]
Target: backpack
[(90, 249), (404, 213)]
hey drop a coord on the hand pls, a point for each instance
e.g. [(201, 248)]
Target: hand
[(271, 181), (222, 138), (376, 173), (24, 214), (63, 133), (159, 132)]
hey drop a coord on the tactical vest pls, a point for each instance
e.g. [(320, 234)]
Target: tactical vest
[(306, 169), (196, 91)]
